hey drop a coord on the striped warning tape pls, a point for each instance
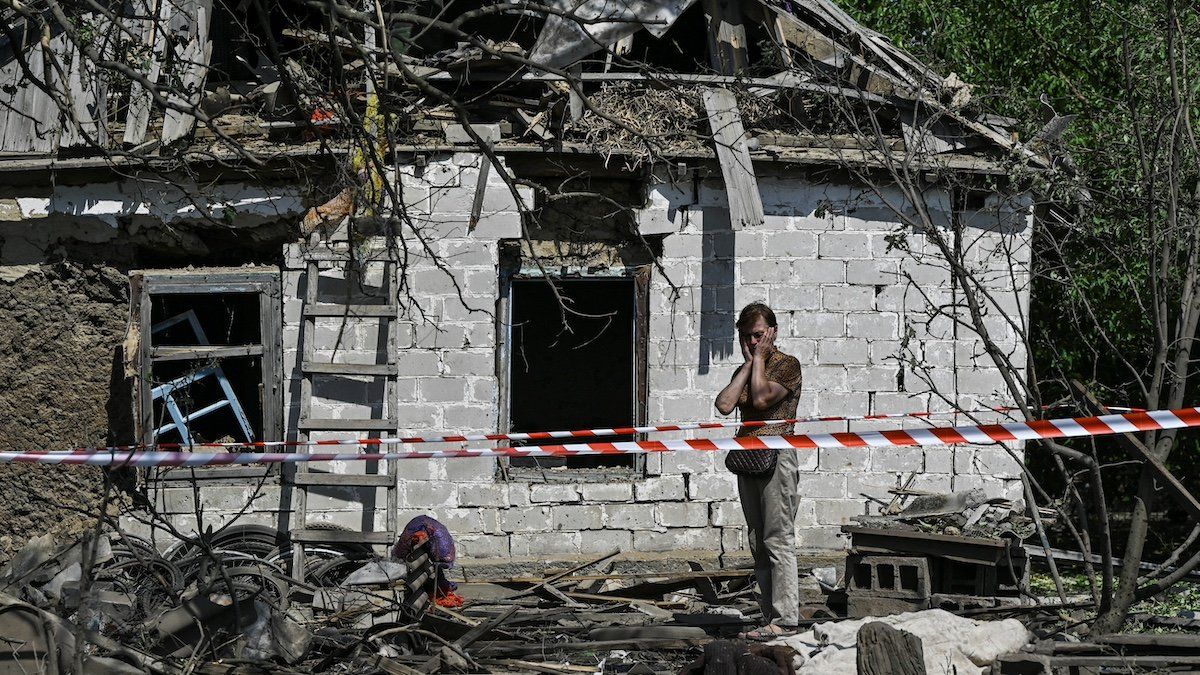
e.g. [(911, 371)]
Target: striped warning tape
[(550, 435), (978, 434)]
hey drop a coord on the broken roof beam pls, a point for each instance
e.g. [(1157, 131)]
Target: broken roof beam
[(737, 169)]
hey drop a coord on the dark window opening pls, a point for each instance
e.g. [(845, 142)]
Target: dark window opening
[(209, 366), (575, 376)]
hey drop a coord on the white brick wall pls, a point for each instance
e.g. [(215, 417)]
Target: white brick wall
[(846, 307)]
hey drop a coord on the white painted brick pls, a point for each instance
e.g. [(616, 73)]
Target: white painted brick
[(471, 469), (464, 418), (607, 492), (683, 514), (526, 519), (939, 460), (571, 517), (872, 378), (469, 363), (659, 489), (540, 493), (689, 462), (749, 244), (418, 362), (821, 539), (629, 516), (733, 539)]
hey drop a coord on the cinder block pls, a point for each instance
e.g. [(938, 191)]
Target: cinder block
[(441, 336), (844, 245), (526, 519), (729, 514), (482, 546), (420, 494), (442, 389), (719, 486), (802, 245), (678, 539), (847, 298), (819, 272), (839, 403), (873, 378), (822, 485), (539, 543), (689, 462), (481, 494), (471, 469), (875, 272), (844, 459), (573, 517), (897, 459), (683, 514), (414, 362), (468, 418), (764, 271), (483, 390), (596, 542), (630, 516), (821, 538), (874, 326), (663, 488), (749, 244), (839, 511), (559, 493), (607, 492), (843, 351)]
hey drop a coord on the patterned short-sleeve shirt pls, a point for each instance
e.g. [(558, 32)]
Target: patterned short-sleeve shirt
[(785, 370)]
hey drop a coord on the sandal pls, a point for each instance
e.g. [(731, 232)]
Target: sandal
[(768, 632)]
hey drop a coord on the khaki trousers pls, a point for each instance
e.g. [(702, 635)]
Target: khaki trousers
[(769, 504)]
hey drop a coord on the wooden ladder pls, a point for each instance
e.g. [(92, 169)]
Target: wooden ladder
[(303, 478)]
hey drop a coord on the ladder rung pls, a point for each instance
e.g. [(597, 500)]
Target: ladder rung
[(321, 368), (318, 424), (344, 479), (343, 536), (333, 309)]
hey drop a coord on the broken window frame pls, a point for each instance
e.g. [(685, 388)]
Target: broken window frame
[(641, 390), (265, 282)]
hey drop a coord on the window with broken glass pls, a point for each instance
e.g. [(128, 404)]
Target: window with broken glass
[(208, 361)]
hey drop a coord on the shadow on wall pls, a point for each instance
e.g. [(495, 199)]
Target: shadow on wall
[(716, 288)]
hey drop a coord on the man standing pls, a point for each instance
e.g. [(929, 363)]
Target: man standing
[(767, 387)]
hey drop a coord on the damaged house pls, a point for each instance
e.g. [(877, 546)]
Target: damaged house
[(240, 222)]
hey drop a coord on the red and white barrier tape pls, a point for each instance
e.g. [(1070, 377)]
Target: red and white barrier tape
[(978, 434), (549, 435)]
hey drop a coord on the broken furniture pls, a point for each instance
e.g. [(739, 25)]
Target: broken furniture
[(897, 570), (167, 392)]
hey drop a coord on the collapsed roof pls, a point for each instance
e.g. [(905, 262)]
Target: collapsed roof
[(601, 75)]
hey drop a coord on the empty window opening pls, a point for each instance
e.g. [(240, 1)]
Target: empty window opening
[(577, 375), (208, 357)]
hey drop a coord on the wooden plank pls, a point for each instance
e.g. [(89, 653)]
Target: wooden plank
[(737, 169), (320, 368), (203, 352), (194, 60), (322, 424), (154, 36), (86, 90), (726, 36)]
